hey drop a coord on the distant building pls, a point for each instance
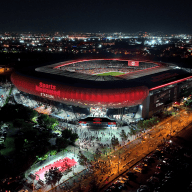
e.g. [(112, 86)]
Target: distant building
[(5, 70)]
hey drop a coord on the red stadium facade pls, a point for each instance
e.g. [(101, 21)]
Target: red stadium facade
[(79, 96)]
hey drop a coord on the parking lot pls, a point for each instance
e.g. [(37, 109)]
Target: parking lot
[(168, 168)]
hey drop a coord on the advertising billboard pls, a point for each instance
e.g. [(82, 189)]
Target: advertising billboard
[(133, 63)]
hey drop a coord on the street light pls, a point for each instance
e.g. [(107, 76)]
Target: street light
[(118, 162)]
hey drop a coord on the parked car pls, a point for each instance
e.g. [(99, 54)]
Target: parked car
[(138, 169), (159, 166), (145, 163), (143, 188), (169, 175), (167, 160), (157, 189), (164, 182)]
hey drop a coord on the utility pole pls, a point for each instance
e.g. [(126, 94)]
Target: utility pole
[(118, 162)]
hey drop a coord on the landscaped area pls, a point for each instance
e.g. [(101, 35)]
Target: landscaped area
[(61, 164), (25, 141)]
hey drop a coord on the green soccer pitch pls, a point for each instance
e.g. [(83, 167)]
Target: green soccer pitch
[(110, 73)]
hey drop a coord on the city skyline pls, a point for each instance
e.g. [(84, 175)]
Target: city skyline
[(99, 16)]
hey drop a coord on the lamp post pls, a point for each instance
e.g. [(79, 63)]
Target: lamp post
[(118, 162), (148, 145), (172, 123)]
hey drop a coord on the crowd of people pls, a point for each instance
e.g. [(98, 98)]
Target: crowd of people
[(95, 140), (94, 67), (98, 111)]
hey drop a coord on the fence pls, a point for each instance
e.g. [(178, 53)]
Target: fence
[(45, 162)]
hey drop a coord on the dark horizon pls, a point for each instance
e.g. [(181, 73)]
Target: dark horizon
[(105, 16), (102, 32)]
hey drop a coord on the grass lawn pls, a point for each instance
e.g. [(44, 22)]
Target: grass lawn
[(111, 74)]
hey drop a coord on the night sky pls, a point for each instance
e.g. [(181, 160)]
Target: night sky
[(169, 16)]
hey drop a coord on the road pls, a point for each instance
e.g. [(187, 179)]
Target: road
[(117, 162)]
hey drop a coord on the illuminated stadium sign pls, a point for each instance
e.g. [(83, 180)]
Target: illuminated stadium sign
[(47, 90), (133, 63), (97, 119), (82, 122), (111, 123)]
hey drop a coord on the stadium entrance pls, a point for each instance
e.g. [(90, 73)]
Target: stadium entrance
[(99, 122), (98, 112)]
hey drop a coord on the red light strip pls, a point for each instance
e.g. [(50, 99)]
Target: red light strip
[(114, 59), (97, 122), (171, 83)]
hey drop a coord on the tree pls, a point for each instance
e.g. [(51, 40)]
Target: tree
[(114, 141), (4, 165), (19, 123), (154, 120), (74, 137), (147, 123), (7, 113), (61, 143), (47, 122), (42, 120), (141, 125), (10, 112), (53, 176), (123, 135), (133, 131), (33, 114), (25, 113), (68, 134), (19, 143), (29, 133)]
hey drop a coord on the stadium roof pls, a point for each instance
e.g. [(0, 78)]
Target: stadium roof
[(152, 77), (162, 78)]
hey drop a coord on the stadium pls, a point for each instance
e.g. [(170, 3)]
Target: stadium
[(107, 87)]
